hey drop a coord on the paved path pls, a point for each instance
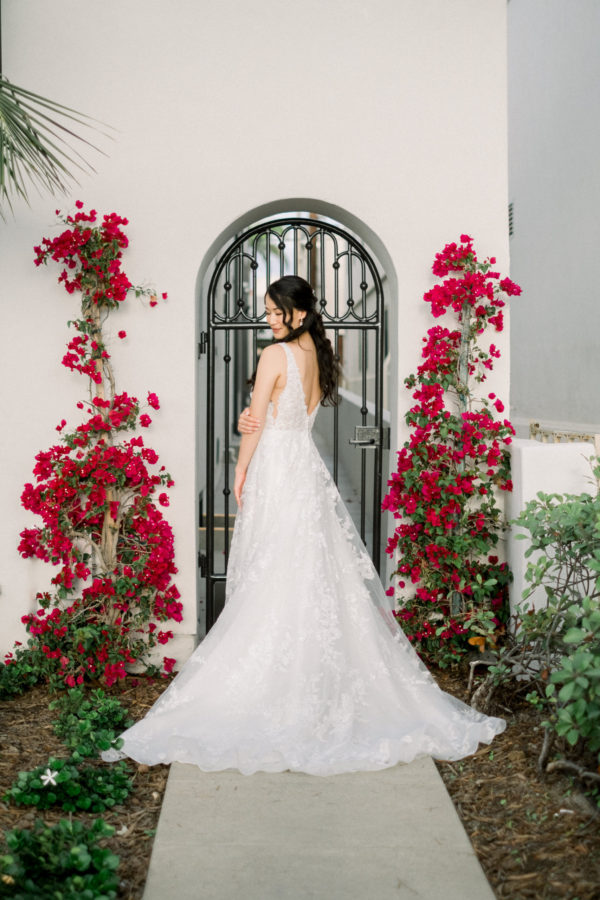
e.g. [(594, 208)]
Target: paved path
[(388, 835)]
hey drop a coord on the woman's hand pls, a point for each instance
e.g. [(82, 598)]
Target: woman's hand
[(238, 485), (247, 424)]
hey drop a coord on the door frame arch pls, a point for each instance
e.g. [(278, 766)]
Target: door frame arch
[(250, 222)]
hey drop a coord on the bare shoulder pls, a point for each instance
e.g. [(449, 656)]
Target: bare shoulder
[(272, 358)]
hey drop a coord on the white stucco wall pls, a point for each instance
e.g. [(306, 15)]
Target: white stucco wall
[(561, 468), (554, 133), (389, 114)]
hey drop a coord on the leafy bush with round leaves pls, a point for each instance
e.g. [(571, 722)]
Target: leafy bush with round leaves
[(88, 726), (64, 861), (59, 783)]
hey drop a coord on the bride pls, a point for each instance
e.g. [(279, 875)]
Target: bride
[(306, 668)]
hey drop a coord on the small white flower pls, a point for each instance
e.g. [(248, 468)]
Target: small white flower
[(48, 778)]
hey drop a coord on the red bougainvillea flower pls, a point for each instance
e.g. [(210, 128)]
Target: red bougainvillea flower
[(168, 664), (442, 494), (95, 493)]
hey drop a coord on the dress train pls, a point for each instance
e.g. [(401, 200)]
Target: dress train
[(306, 668)]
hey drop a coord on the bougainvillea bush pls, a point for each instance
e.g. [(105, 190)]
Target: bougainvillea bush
[(99, 491), (444, 493)]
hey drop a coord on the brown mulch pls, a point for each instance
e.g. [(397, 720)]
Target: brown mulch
[(536, 837)]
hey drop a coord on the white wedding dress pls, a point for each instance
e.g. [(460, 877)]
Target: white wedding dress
[(306, 668)]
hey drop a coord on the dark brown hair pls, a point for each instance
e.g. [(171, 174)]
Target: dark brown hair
[(292, 292)]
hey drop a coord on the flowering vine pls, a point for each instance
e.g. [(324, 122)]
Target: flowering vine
[(444, 491), (95, 490)]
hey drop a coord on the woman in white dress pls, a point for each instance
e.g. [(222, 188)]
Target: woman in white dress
[(306, 668)]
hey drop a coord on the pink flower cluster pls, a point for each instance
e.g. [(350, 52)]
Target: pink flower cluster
[(91, 255), (99, 498), (478, 287), (442, 493)]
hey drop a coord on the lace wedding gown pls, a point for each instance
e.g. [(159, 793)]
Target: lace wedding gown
[(306, 668)]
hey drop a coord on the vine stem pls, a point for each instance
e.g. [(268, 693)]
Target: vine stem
[(549, 737), (110, 527), (563, 765), (462, 381), (463, 358)]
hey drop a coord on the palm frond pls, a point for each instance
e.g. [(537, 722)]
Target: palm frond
[(36, 144)]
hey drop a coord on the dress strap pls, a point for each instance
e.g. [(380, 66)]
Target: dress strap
[(290, 356)]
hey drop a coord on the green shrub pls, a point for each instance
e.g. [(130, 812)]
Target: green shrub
[(572, 701), (60, 862), (577, 714), (18, 673), (565, 546), (88, 726), (87, 787), (553, 651)]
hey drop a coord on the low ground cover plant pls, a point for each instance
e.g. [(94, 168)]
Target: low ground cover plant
[(63, 784), (88, 725), (66, 861)]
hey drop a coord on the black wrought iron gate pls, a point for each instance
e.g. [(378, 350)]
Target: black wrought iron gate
[(346, 280)]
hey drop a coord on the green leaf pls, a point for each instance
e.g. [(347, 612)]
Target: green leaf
[(574, 636), (35, 137), (566, 691)]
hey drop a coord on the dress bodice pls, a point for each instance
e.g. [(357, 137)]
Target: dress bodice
[(292, 414)]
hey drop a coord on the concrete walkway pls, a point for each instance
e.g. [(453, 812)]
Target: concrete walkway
[(367, 836)]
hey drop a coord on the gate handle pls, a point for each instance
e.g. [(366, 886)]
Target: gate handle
[(370, 436)]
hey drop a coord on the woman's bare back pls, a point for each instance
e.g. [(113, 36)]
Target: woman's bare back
[(305, 354)]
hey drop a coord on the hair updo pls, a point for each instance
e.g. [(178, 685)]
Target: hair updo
[(292, 292)]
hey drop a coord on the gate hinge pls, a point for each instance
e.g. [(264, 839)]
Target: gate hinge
[(202, 563), (202, 343)]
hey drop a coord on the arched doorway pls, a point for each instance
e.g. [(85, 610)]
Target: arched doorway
[(354, 436)]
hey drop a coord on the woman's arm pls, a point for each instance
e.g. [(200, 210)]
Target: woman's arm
[(271, 366)]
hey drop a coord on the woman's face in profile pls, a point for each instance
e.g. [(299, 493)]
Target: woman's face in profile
[(275, 319)]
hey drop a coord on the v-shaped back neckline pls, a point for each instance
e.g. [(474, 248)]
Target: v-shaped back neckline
[(290, 353)]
